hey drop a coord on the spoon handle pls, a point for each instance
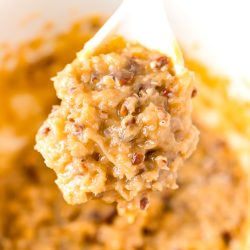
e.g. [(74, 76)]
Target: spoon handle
[(140, 21)]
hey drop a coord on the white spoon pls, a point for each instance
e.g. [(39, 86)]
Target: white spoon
[(142, 21)]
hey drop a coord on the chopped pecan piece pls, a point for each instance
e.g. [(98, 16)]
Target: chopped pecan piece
[(144, 203), (167, 93), (159, 62), (45, 130), (128, 121), (133, 66), (194, 93), (94, 78), (137, 158), (123, 76)]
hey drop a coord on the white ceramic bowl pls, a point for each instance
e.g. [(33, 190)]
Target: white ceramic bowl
[(214, 31)]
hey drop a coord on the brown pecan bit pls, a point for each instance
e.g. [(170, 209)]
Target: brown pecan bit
[(159, 62), (45, 131), (123, 76), (194, 93), (137, 158), (133, 66), (144, 203), (167, 93), (138, 110), (94, 78), (71, 120), (130, 121)]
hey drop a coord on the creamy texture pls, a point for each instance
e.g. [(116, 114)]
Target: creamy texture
[(210, 210), (123, 127)]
